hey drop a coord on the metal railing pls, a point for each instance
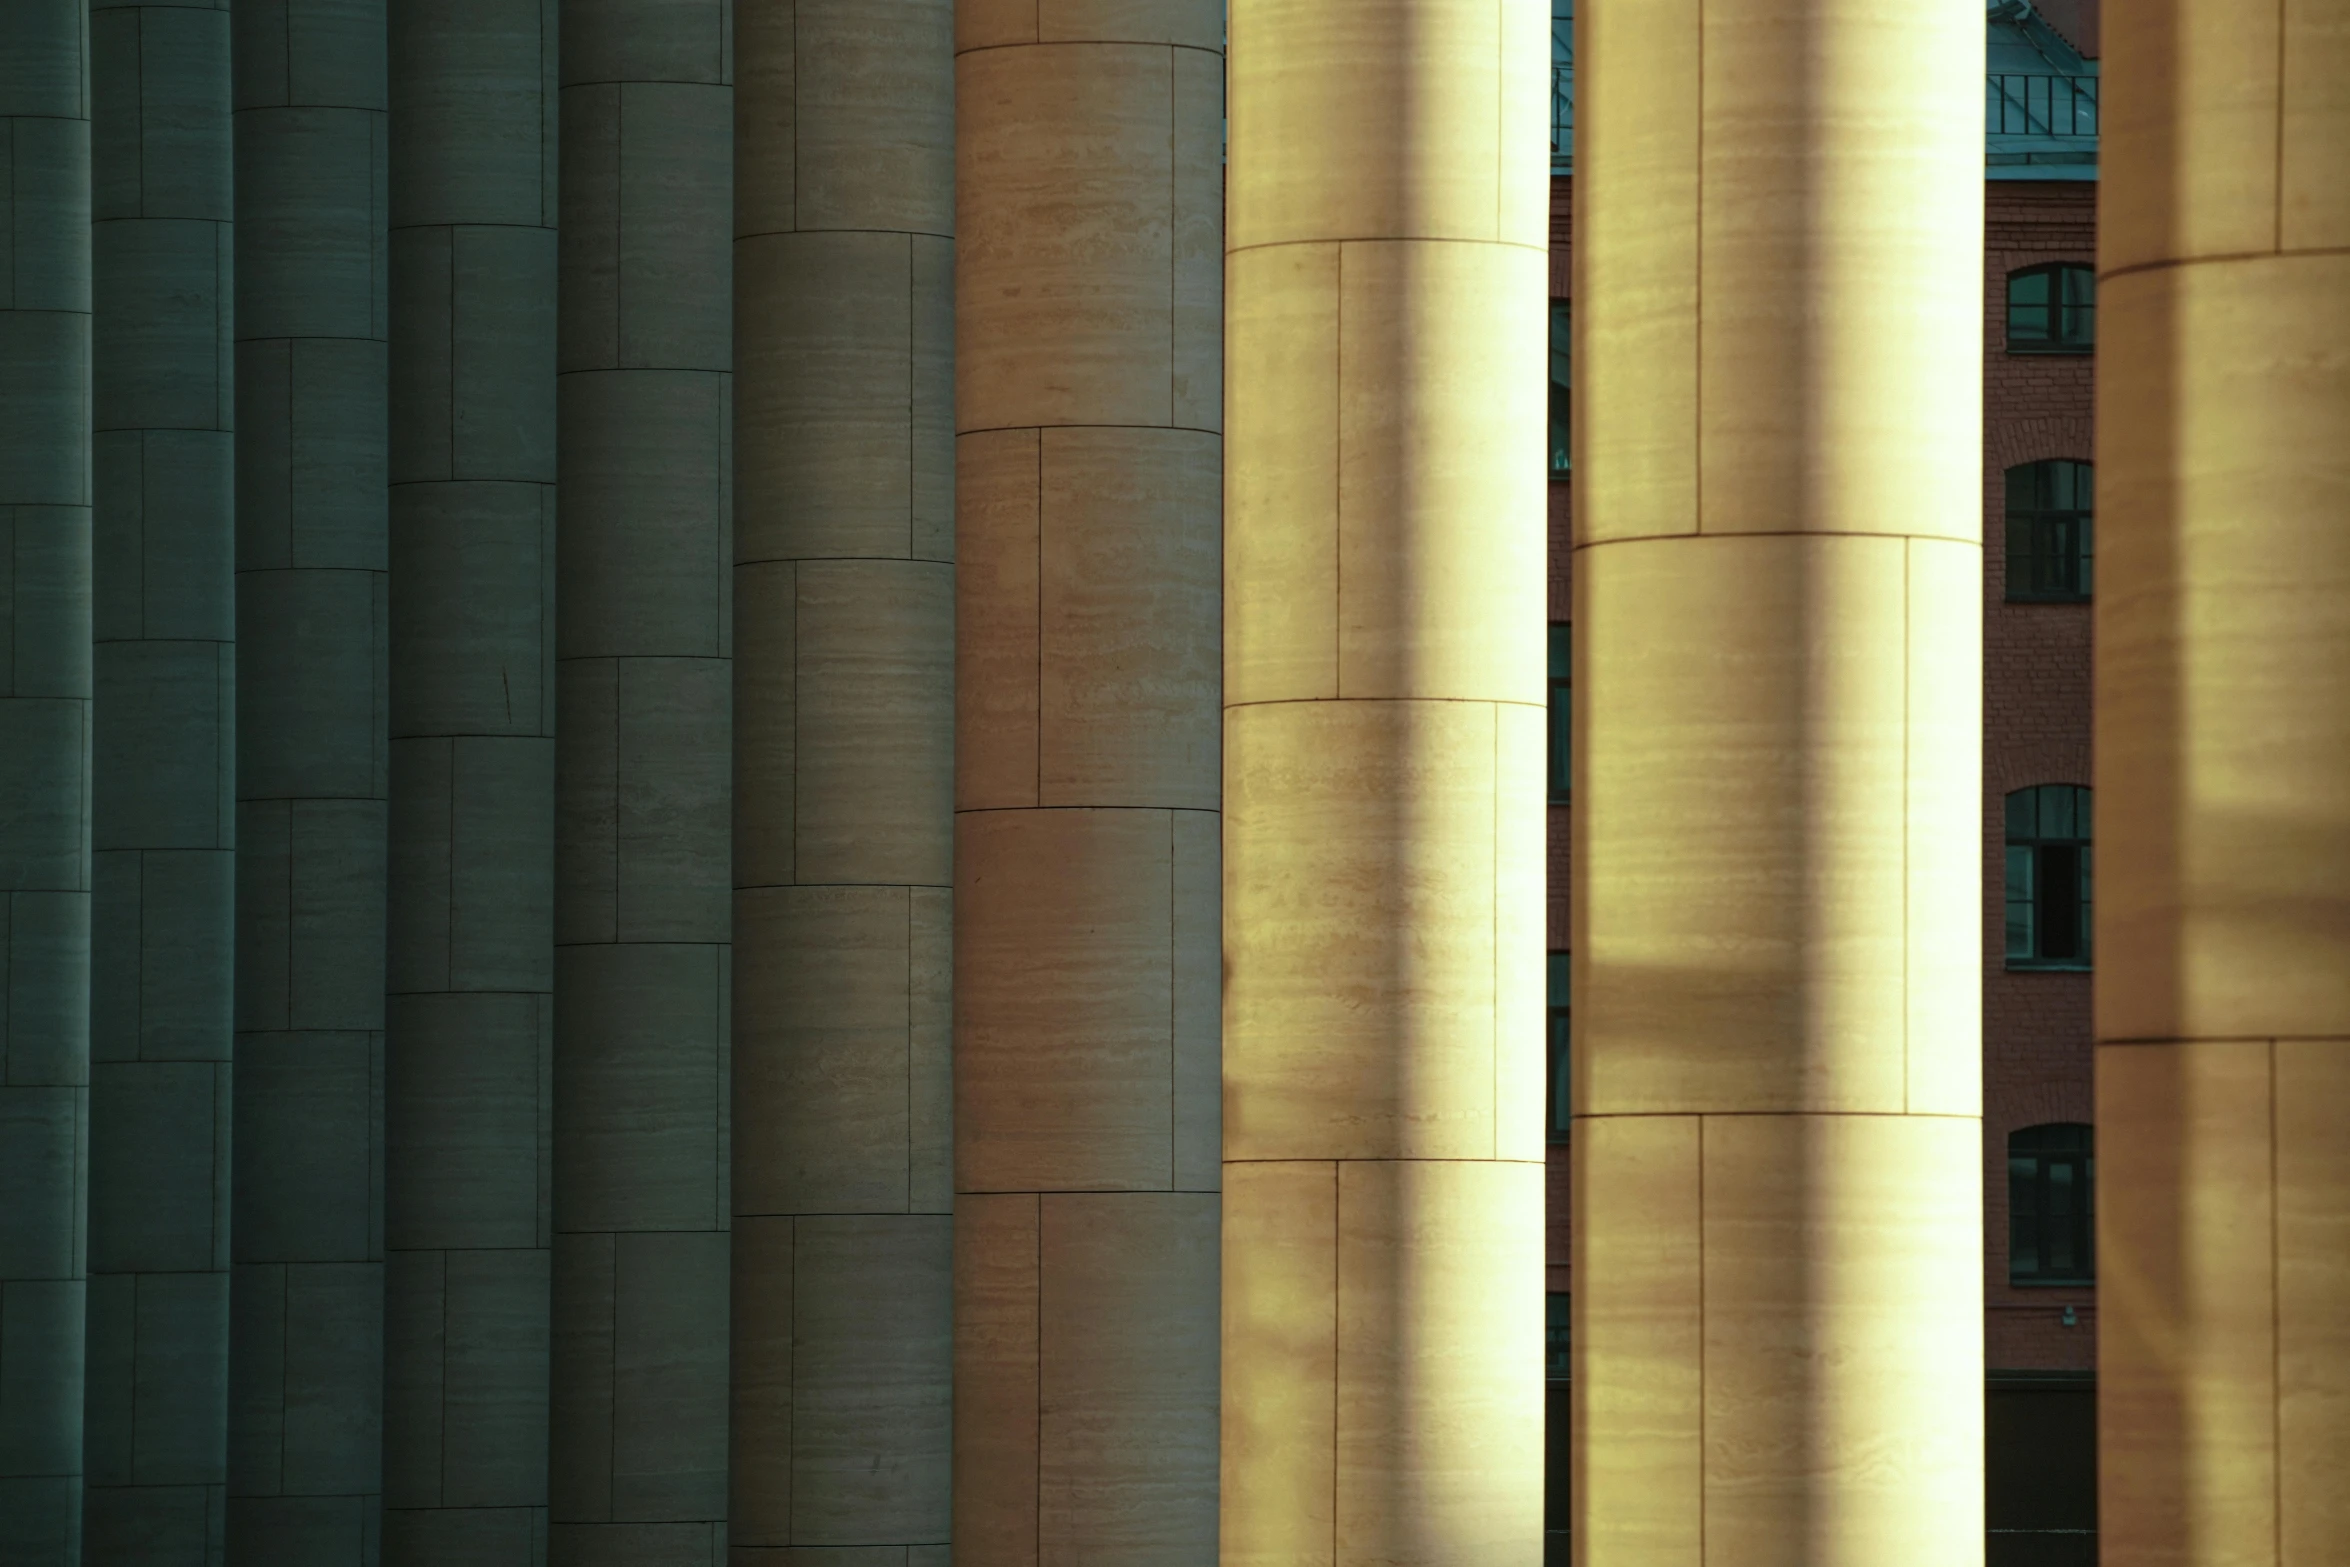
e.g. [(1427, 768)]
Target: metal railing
[(2063, 107)]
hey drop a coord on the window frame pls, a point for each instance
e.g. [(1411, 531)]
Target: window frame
[(2056, 310), (1559, 734), (2034, 1155), (1558, 1013), (1561, 460), (2041, 519), (2037, 852)]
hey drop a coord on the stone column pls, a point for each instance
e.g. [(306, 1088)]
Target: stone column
[(1778, 605), (470, 950), (306, 1206), (1088, 460), (44, 771), (637, 1462), (1384, 728), (164, 817), (844, 744), (2223, 771)]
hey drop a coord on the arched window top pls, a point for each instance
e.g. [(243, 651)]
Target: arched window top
[(2053, 1137), (2049, 813), (2052, 309)]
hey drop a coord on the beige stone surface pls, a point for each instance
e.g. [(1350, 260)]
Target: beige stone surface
[(2223, 730), (1777, 894), (1638, 1231), (2224, 652), (1088, 407), (1280, 1342)]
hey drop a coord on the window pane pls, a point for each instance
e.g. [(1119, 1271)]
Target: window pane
[(2077, 324), (1562, 727), (2059, 918), (2056, 810), (1561, 385), (1558, 1321), (2023, 1217), (2023, 820), (2027, 307)]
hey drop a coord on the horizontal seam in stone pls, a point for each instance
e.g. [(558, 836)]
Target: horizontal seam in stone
[(1014, 429), (887, 233), (1118, 43), (1873, 1115), (2228, 1039), (1782, 533), (2176, 263), (1387, 239), (1467, 701), (984, 810)]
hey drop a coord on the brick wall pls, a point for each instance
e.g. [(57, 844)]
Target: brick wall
[(2036, 1045)]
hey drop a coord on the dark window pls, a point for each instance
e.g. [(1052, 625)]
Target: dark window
[(1555, 1320), (2040, 1469), (2051, 512), (1562, 670), (2048, 877), (2052, 309), (1562, 347), (2051, 1185), (1561, 1102)]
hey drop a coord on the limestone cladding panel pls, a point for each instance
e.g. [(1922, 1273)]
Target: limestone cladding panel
[(843, 581), (1778, 759), (164, 786), (1384, 711), (1088, 414), (2223, 766), (45, 773), (470, 945), (305, 1387)]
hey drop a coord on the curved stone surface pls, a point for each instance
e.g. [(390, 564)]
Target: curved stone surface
[(163, 819), (844, 743), (637, 1462), (469, 1025), (1088, 622), (45, 773), (306, 1204)]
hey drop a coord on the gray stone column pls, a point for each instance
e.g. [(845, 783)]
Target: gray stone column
[(844, 589), (44, 770), (470, 954), (164, 812), (306, 1205), (637, 1458)]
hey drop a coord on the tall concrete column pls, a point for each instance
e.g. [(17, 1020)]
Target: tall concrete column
[(306, 1203), (637, 1465), (1384, 719), (1778, 606), (843, 769), (44, 772), (1088, 521), (2223, 801), (470, 954), (164, 818)]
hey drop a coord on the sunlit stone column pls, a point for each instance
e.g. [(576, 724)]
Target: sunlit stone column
[(306, 1209), (164, 814), (44, 771), (2223, 771), (1384, 707), (470, 952), (638, 1402), (843, 769), (1778, 605), (1088, 454)]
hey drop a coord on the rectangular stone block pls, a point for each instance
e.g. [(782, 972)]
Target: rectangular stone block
[(44, 1131), (998, 597), (313, 661), (308, 1154), (632, 40), (466, 1118), (760, 1407), (164, 524), (669, 1375), (159, 355), (159, 1163), (164, 745), (1280, 1363), (45, 612), (474, 620), (640, 1088), (311, 459), (45, 1018), (310, 213), (675, 794), (997, 1406), (643, 532)]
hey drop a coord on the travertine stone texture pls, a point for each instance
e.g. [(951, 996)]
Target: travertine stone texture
[(1777, 1144), (470, 952), (164, 797), (2223, 770), (637, 1454), (843, 780), (1088, 526), (306, 1205), (45, 786), (1383, 722)]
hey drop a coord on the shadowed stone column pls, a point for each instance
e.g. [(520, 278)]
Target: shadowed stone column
[(844, 744), (306, 1208), (637, 1462), (1384, 717), (164, 817), (470, 951), (2223, 772), (1778, 1317), (1088, 457), (44, 771)]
